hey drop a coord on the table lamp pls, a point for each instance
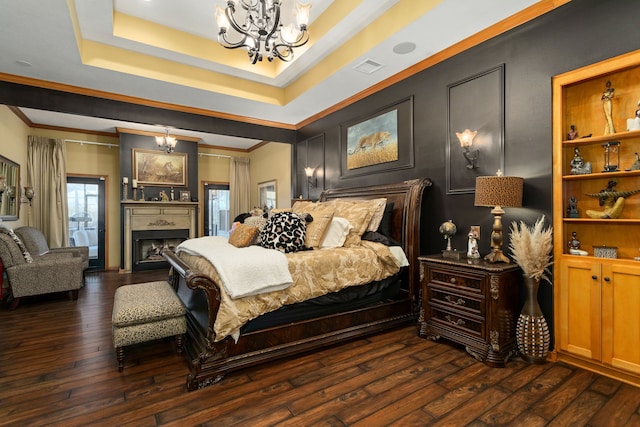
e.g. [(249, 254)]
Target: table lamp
[(498, 191)]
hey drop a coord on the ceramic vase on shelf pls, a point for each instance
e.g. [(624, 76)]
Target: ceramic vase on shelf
[(532, 331)]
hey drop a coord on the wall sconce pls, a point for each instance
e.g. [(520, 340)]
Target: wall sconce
[(29, 193), (311, 179), (466, 140), (167, 143), (11, 193), (498, 191)]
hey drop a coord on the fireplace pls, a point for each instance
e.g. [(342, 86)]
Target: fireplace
[(149, 246), (152, 227)]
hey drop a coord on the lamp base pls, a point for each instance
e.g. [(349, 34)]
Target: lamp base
[(497, 256)]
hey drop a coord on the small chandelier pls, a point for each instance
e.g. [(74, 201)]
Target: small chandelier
[(261, 30), (167, 143)]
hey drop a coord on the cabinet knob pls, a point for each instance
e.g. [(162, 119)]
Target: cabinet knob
[(453, 280), (594, 277), (606, 279)]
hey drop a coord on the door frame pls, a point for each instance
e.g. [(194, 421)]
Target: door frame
[(100, 262)]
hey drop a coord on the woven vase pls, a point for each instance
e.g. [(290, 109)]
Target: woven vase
[(532, 331)]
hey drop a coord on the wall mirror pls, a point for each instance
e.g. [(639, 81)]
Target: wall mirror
[(9, 189), (267, 195)]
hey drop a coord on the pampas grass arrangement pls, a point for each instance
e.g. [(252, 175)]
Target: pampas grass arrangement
[(531, 248)]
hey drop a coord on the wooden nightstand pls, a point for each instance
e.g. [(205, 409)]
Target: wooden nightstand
[(473, 303)]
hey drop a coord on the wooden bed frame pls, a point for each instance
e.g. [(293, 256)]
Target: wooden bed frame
[(209, 361)]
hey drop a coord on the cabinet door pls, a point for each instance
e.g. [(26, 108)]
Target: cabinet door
[(580, 307), (621, 316)]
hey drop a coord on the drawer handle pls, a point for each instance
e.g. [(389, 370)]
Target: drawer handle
[(459, 301), (453, 280), (459, 322)]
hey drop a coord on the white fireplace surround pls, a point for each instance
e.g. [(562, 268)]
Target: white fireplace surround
[(147, 216)]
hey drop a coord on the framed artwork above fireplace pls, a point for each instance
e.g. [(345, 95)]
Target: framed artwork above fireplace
[(151, 167)]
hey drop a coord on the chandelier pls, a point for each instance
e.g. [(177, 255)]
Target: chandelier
[(167, 143), (260, 29)]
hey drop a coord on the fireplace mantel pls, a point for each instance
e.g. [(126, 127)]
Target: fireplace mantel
[(143, 216)]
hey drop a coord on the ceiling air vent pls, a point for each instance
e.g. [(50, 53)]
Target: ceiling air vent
[(368, 66)]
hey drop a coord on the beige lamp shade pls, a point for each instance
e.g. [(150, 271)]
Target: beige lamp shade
[(499, 191)]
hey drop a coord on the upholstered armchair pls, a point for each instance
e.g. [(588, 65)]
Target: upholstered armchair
[(37, 245), (38, 274)]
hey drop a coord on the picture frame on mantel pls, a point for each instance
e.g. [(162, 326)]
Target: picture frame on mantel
[(152, 167), (475, 103), (379, 142)]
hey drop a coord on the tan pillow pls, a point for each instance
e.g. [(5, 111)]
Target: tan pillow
[(357, 212), (317, 228), (243, 235), (377, 214)]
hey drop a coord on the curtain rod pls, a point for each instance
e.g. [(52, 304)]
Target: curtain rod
[(104, 144), (214, 155)]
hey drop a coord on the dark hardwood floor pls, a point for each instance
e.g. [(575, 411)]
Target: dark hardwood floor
[(58, 367)]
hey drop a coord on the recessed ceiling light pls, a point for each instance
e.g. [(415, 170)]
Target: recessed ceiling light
[(24, 63), (404, 48)]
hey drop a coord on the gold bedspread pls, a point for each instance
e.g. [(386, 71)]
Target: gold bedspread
[(315, 273)]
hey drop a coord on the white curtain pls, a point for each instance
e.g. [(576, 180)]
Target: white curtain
[(47, 174), (239, 186)]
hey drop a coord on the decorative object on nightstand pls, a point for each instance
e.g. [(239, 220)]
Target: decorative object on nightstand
[(531, 249), (448, 229), (472, 244), (498, 191)]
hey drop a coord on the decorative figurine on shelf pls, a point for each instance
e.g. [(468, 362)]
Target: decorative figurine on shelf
[(573, 133), (574, 245), (607, 96), (578, 165), (173, 194), (634, 124), (636, 165), (163, 196), (472, 245), (572, 209), (613, 201), (142, 192)]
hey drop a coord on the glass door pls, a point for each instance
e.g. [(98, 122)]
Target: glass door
[(216, 210), (86, 203)]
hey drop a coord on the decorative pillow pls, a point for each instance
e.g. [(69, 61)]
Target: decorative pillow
[(336, 233), (258, 222), (284, 231), (385, 224), (357, 212), (317, 228), (300, 205), (243, 236), (25, 253), (377, 214)]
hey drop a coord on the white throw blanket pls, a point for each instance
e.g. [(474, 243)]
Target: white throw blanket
[(244, 271)]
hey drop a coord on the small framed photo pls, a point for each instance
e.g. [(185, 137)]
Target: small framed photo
[(185, 196)]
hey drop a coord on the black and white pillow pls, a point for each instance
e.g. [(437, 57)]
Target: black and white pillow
[(284, 231)]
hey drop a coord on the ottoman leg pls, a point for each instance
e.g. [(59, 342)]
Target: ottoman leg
[(120, 356), (180, 343)]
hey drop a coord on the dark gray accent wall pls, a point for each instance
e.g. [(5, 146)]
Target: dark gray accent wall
[(579, 33)]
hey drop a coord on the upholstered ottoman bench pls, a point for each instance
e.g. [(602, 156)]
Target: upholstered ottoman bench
[(146, 312)]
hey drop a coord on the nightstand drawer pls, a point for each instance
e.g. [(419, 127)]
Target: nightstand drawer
[(465, 325), (443, 295), (469, 282)]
